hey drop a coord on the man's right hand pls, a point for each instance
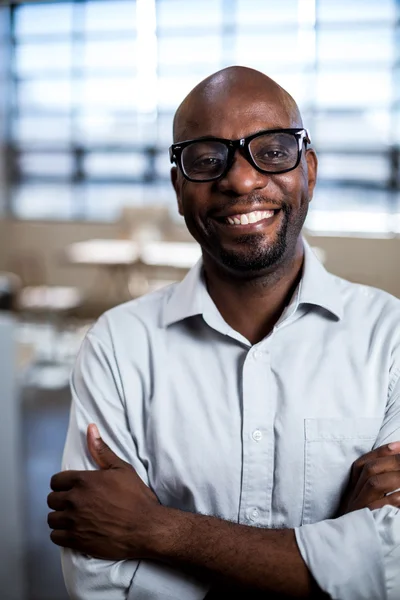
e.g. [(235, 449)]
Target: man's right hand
[(374, 475)]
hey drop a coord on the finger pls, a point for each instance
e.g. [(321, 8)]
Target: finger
[(390, 500), (66, 480), (102, 454), (62, 537), (59, 520), (377, 486), (387, 450), (378, 466), (58, 500)]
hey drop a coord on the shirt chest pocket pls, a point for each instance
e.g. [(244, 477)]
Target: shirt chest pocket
[(330, 448)]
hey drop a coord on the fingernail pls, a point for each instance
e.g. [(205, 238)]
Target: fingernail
[(96, 432), (395, 446)]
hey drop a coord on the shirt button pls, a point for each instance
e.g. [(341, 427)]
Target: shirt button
[(257, 435), (254, 514), (260, 354)]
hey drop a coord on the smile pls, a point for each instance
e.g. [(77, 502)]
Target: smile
[(250, 220), (252, 217)]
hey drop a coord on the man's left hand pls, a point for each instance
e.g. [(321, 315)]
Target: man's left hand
[(108, 513)]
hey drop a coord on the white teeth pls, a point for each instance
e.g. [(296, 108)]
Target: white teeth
[(253, 217)]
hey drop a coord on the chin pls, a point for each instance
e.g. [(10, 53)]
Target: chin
[(261, 261), (255, 253)]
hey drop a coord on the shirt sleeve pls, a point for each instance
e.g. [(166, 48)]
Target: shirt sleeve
[(357, 556), (97, 396)]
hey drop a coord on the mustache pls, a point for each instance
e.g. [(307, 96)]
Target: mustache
[(252, 199)]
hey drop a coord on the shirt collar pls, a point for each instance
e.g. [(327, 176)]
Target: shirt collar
[(187, 297), (317, 287)]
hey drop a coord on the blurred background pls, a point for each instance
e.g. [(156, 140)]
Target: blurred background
[(88, 89)]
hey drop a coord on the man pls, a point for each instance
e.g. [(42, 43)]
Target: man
[(232, 406)]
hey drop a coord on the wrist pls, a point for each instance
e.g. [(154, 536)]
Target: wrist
[(170, 531)]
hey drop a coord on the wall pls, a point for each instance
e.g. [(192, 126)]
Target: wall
[(11, 523), (4, 69), (4, 244), (47, 241), (371, 261)]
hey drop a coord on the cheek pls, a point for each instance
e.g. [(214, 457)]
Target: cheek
[(194, 200), (294, 186), (303, 178)]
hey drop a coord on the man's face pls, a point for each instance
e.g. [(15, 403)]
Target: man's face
[(257, 247)]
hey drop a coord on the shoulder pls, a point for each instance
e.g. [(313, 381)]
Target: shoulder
[(368, 303), (371, 316), (132, 320)]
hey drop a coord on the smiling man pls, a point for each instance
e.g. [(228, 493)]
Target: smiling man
[(248, 415)]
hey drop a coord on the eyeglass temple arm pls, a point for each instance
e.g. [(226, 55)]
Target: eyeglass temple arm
[(305, 135)]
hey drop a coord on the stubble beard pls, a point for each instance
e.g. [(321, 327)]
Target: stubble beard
[(254, 255)]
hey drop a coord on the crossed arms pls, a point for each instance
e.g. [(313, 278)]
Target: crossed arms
[(121, 543), (111, 514)]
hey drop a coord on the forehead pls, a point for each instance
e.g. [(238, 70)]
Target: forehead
[(234, 117)]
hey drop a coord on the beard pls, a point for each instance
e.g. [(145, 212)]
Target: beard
[(253, 254)]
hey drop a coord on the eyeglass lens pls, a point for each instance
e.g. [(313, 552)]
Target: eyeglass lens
[(204, 160), (272, 152)]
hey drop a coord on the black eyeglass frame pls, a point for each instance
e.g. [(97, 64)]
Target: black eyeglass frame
[(175, 151)]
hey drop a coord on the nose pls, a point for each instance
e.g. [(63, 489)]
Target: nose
[(242, 178)]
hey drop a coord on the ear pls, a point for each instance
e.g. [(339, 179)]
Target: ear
[(176, 186), (312, 167)]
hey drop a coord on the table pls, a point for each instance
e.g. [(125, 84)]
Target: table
[(115, 258), (100, 252), (178, 255), (126, 261)]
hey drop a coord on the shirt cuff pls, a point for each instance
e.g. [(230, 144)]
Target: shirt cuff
[(344, 556), (387, 523), (155, 581)]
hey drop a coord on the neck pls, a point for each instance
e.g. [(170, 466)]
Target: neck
[(252, 307)]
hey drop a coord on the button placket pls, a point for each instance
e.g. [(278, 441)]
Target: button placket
[(257, 456), (253, 514)]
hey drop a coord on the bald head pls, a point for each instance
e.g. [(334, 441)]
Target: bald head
[(234, 89)]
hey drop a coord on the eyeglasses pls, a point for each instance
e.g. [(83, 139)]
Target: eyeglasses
[(272, 151)]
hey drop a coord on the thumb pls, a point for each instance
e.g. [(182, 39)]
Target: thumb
[(104, 457)]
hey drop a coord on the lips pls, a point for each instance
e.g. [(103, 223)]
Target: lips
[(245, 210), (252, 217), (231, 225), (246, 218)]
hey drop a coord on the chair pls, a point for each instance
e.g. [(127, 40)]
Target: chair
[(152, 224), (10, 285), (38, 301)]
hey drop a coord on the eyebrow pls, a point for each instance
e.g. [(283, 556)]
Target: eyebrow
[(215, 137)]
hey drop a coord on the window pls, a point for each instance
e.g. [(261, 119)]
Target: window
[(96, 84)]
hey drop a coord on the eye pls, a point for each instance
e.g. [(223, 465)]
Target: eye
[(274, 154), (206, 162), (269, 155)]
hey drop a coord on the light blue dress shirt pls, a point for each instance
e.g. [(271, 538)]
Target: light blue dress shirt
[(260, 434)]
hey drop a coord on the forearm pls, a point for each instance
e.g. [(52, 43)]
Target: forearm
[(262, 559)]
